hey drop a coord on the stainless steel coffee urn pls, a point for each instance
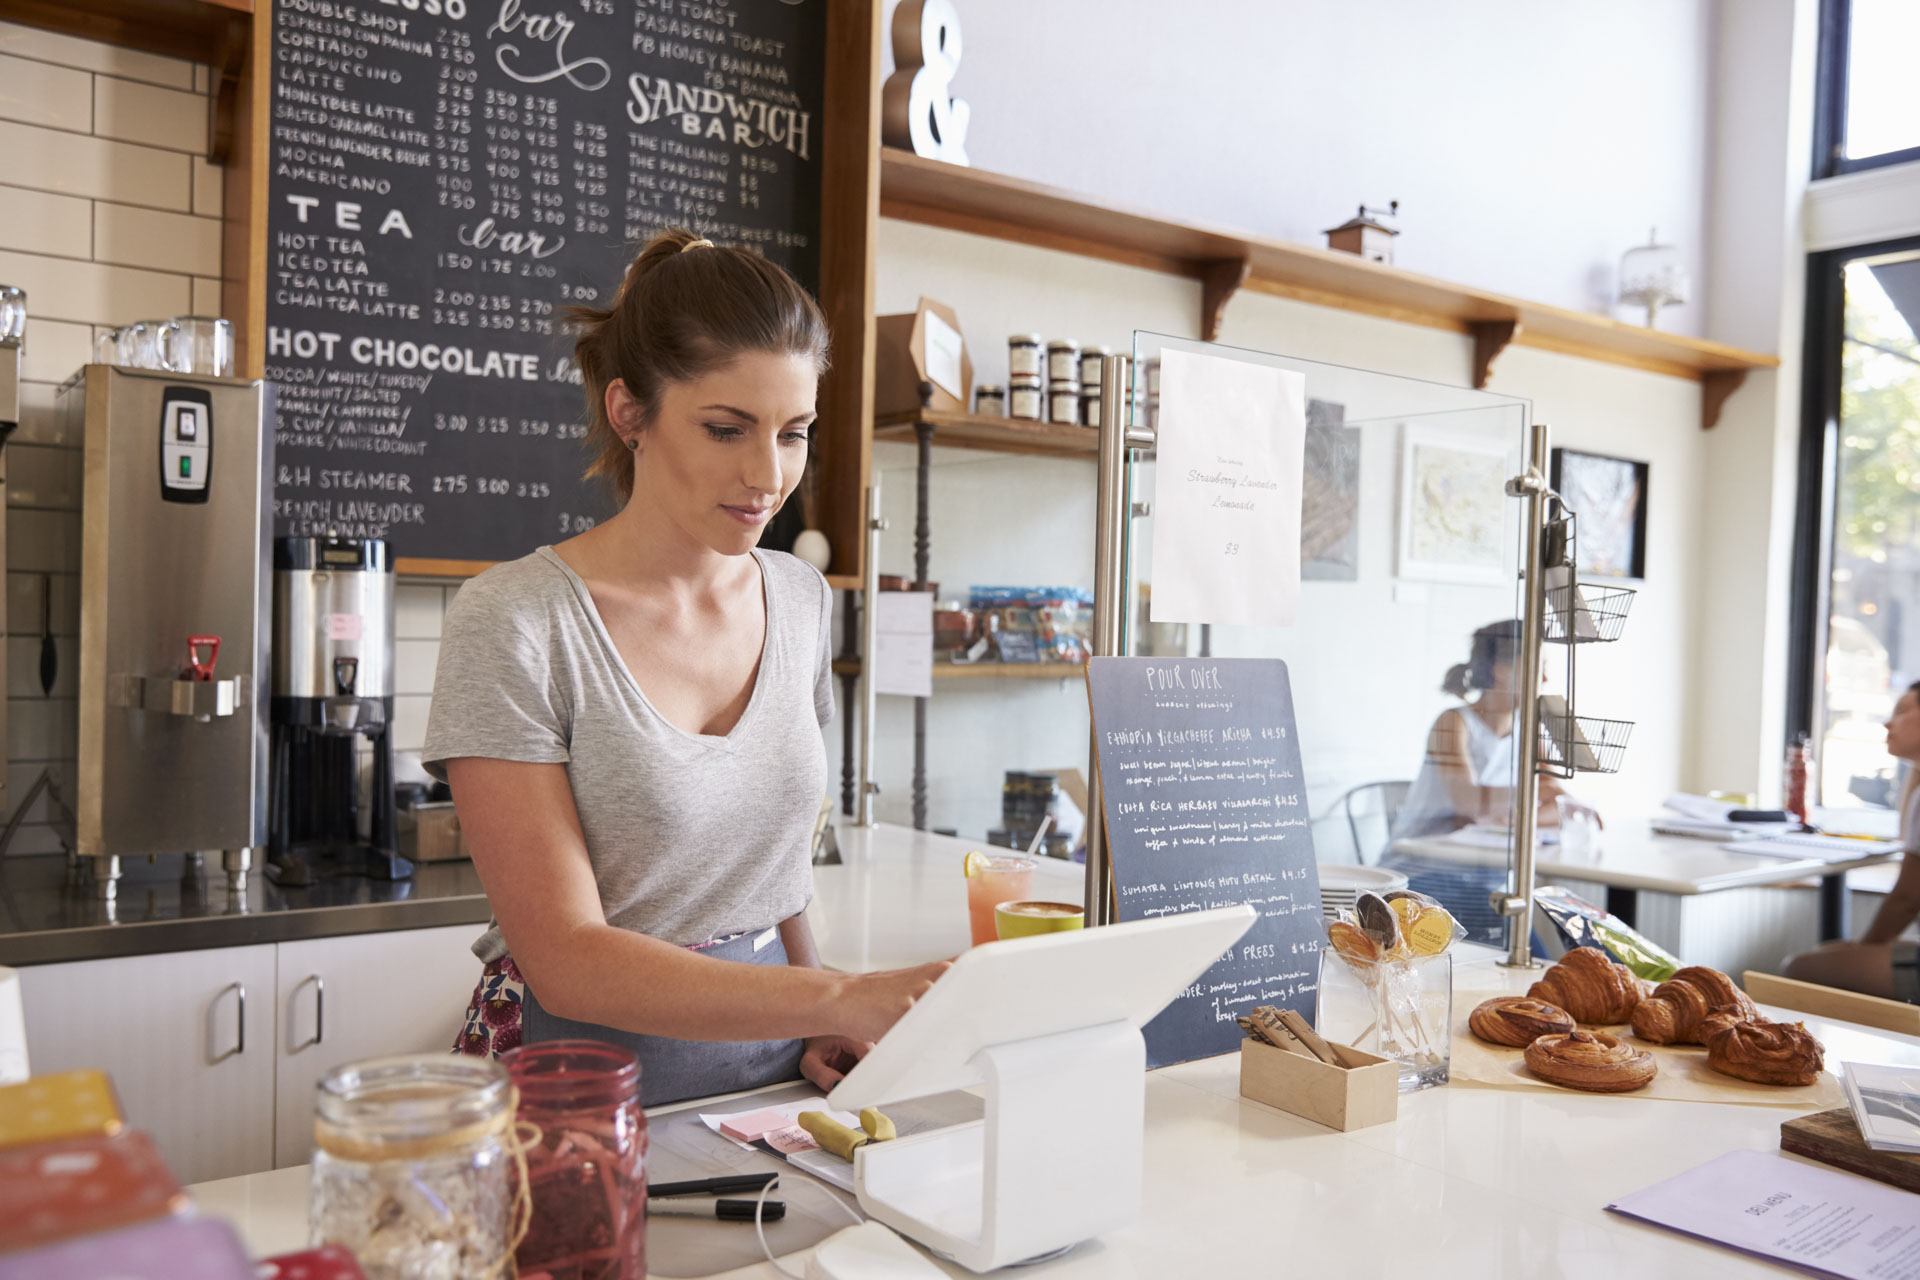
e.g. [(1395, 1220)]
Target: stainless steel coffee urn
[(332, 687), (175, 519)]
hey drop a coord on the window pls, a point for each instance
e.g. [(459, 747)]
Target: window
[(1869, 97), (1858, 639)]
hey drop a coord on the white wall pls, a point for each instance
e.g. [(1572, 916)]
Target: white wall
[(1366, 666), (1529, 144), (109, 213)]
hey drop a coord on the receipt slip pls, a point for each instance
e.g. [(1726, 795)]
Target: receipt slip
[(1818, 1219)]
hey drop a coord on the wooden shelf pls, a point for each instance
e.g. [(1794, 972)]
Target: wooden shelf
[(932, 193), (985, 670), (996, 435)]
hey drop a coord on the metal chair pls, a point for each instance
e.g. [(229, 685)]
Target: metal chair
[(1374, 806)]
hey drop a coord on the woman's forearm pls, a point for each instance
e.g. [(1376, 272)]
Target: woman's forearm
[(616, 978), (1896, 912)]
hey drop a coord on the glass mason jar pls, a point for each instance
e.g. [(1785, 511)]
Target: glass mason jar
[(412, 1166), (588, 1171)]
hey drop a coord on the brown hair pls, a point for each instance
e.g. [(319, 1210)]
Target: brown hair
[(686, 307)]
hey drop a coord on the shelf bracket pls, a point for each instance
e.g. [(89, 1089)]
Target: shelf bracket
[(230, 51), (1219, 281), (1715, 386), (1490, 338)]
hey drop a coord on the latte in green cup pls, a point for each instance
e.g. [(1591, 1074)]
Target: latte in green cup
[(1025, 919)]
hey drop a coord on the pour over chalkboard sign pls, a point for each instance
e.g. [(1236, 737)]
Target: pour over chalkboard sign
[(445, 177), (1204, 806)]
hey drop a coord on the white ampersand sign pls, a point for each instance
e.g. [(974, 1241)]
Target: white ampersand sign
[(918, 108)]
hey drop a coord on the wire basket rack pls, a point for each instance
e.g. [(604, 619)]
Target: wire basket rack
[(1583, 744), (1586, 614)]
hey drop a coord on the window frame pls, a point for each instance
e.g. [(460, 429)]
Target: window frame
[(1830, 101), (1817, 487)]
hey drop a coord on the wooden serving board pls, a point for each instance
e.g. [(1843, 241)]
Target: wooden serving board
[(1831, 1137)]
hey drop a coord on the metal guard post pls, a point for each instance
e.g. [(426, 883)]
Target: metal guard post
[(869, 640), (1109, 601), (1517, 903)]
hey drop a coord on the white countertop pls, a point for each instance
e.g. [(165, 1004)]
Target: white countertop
[(1633, 856), (1467, 1182)]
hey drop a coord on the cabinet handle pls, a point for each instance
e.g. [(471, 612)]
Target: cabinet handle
[(319, 1011), (240, 1037)]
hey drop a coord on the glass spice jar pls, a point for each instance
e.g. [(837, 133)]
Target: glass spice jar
[(413, 1166), (588, 1170), (1089, 406), (1025, 398), (990, 401), (1063, 402), (1091, 363), (1063, 360), (1023, 356)]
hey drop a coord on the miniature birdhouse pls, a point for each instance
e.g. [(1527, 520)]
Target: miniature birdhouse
[(1364, 234)]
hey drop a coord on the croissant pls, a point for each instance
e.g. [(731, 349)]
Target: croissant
[(1765, 1052), (1517, 1021), (1678, 1007), (1591, 987), (1590, 1060)]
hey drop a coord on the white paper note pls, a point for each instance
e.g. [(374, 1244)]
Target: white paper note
[(944, 346), (1804, 1215), (903, 661), (1226, 537)]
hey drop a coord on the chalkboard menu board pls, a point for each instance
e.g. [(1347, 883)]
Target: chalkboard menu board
[(445, 176), (1204, 807)]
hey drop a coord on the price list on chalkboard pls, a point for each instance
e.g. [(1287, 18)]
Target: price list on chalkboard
[(446, 177), (1204, 807)]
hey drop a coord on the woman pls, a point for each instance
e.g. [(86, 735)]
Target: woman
[(1882, 963), (1467, 777), (630, 720)]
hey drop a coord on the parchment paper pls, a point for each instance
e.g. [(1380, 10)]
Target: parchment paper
[(1683, 1072)]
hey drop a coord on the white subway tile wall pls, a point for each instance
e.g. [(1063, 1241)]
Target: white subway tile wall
[(109, 213)]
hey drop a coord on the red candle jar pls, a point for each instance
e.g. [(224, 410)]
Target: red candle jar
[(588, 1171)]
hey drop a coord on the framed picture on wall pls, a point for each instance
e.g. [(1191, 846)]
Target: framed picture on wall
[(1610, 497), (1453, 507)]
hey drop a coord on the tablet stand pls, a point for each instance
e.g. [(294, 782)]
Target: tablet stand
[(1056, 1160)]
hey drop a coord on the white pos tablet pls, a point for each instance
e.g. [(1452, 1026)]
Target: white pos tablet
[(1050, 1025)]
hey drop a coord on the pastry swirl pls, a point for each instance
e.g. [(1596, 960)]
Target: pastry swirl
[(1517, 1021), (1782, 1053), (1590, 1060), (1591, 987), (1678, 1009)]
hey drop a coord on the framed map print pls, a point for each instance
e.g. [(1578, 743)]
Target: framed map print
[(1454, 512)]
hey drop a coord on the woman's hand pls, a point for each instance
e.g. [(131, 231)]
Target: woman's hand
[(827, 1059), (873, 1002)]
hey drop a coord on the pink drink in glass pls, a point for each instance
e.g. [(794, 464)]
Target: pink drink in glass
[(997, 878)]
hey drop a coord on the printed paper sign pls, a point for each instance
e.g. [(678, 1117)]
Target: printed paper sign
[(1226, 537), (343, 626), (903, 657), (944, 347)]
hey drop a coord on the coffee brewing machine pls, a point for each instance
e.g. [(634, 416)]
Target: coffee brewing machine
[(174, 596), (332, 688)]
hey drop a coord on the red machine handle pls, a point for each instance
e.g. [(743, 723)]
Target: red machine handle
[(196, 669)]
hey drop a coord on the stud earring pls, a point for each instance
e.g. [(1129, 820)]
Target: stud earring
[(633, 444)]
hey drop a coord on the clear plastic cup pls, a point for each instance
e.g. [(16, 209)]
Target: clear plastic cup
[(992, 879), (13, 313), (138, 345), (196, 344)]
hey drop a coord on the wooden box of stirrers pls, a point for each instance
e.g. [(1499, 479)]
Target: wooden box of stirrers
[(1330, 1084)]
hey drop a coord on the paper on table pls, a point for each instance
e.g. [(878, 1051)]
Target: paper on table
[(903, 661), (944, 346), (1818, 1219), (1226, 539), (1824, 848), (794, 1144)]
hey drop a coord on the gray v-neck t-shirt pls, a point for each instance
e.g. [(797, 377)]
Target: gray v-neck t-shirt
[(692, 836)]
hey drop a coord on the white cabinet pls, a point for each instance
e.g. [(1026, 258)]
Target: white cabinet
[(366, 995), (216, 1053), (187, 1037)]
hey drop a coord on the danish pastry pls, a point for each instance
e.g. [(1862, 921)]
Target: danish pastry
[(1590, 1060), (1591, 987), (1782, 1053), (1517, 1021), (1677, 1010)]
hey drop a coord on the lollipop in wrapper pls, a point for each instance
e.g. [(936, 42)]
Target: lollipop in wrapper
[(1429, 928)]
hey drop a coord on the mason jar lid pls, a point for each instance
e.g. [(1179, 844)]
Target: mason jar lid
[(989, 389), (412, 1097), (1063, 344), (1096, 350), (1023, 339), (1024, 381), (568, 1074)]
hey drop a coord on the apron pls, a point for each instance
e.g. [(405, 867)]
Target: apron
[(674, 1070)]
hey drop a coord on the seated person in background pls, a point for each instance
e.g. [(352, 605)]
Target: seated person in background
[(1881, 964), (1467, 777)]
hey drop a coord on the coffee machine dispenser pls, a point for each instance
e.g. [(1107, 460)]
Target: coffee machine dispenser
[(332, 687), (175, 519)]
